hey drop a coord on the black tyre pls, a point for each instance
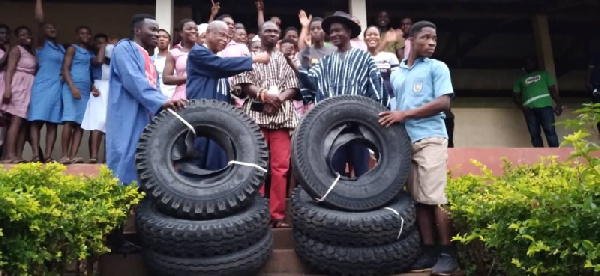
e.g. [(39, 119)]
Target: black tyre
[(337, 121), (185, 238), (380, 260), (242, 263), (334, 227), (167, 144)]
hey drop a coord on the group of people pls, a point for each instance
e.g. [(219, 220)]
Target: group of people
[(44, 83), (274, 77), (275, 82)]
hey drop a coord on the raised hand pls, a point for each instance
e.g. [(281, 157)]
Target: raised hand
[(304, 20), (216, 6), (260, 5), (393, 35)]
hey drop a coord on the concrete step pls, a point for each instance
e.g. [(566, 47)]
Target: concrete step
[(283, 239), (302, 274), (281, 262)]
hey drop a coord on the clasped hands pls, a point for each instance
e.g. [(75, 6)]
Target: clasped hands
[(272, 103)]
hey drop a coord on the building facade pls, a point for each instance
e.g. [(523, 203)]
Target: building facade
[(483, 42)]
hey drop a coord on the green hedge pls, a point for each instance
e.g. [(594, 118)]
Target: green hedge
[(49, 219), (542, 219)]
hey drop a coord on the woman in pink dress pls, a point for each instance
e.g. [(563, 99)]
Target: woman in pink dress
[(20, 74), (4, 48), (177, 59), (357, 42)]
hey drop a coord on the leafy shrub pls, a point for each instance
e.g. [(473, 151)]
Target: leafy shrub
[(49, 219), (541, 219)]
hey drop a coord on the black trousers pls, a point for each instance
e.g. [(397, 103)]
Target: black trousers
[(450, 128), (596, 99)]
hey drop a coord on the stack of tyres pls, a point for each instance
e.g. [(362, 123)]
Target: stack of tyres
[(203, 222), (352, 226)]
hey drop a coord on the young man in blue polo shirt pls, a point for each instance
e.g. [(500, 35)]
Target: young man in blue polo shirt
[(424, 90)]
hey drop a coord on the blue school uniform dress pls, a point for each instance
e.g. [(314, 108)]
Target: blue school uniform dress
[(74, 109), (46, 99)]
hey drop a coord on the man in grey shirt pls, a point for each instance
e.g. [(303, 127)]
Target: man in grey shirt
[(311, 55)]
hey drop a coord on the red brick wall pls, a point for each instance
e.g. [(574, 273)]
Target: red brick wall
[(458, 161)]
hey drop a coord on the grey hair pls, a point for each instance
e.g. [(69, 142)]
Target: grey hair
[(216, 25)]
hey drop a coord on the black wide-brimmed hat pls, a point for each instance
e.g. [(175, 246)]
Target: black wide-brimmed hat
[(344, 18)]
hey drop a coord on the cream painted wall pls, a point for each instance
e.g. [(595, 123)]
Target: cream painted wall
[(496, 123), (497, 128)]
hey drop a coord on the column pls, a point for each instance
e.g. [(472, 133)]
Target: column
[(164, 14), (543, 43), (358, 8)]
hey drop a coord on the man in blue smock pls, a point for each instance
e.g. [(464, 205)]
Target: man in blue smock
[(423, 90), (207, 79), (133, 97)]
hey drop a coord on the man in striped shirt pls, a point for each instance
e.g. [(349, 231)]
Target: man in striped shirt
[(268, 91), (348, 71)]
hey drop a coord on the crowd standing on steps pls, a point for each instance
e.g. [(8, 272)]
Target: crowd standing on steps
[(70, 80), (112, 87)]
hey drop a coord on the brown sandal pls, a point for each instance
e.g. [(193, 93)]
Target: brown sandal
[(65, 161), (77, 160)]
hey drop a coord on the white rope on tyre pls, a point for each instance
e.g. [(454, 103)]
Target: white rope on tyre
[(234, 162), (337, 179), (397, 214), (186, 123)]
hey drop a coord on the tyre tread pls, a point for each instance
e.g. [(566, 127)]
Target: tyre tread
[(352, 229), (186, 238), (199, 208)]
